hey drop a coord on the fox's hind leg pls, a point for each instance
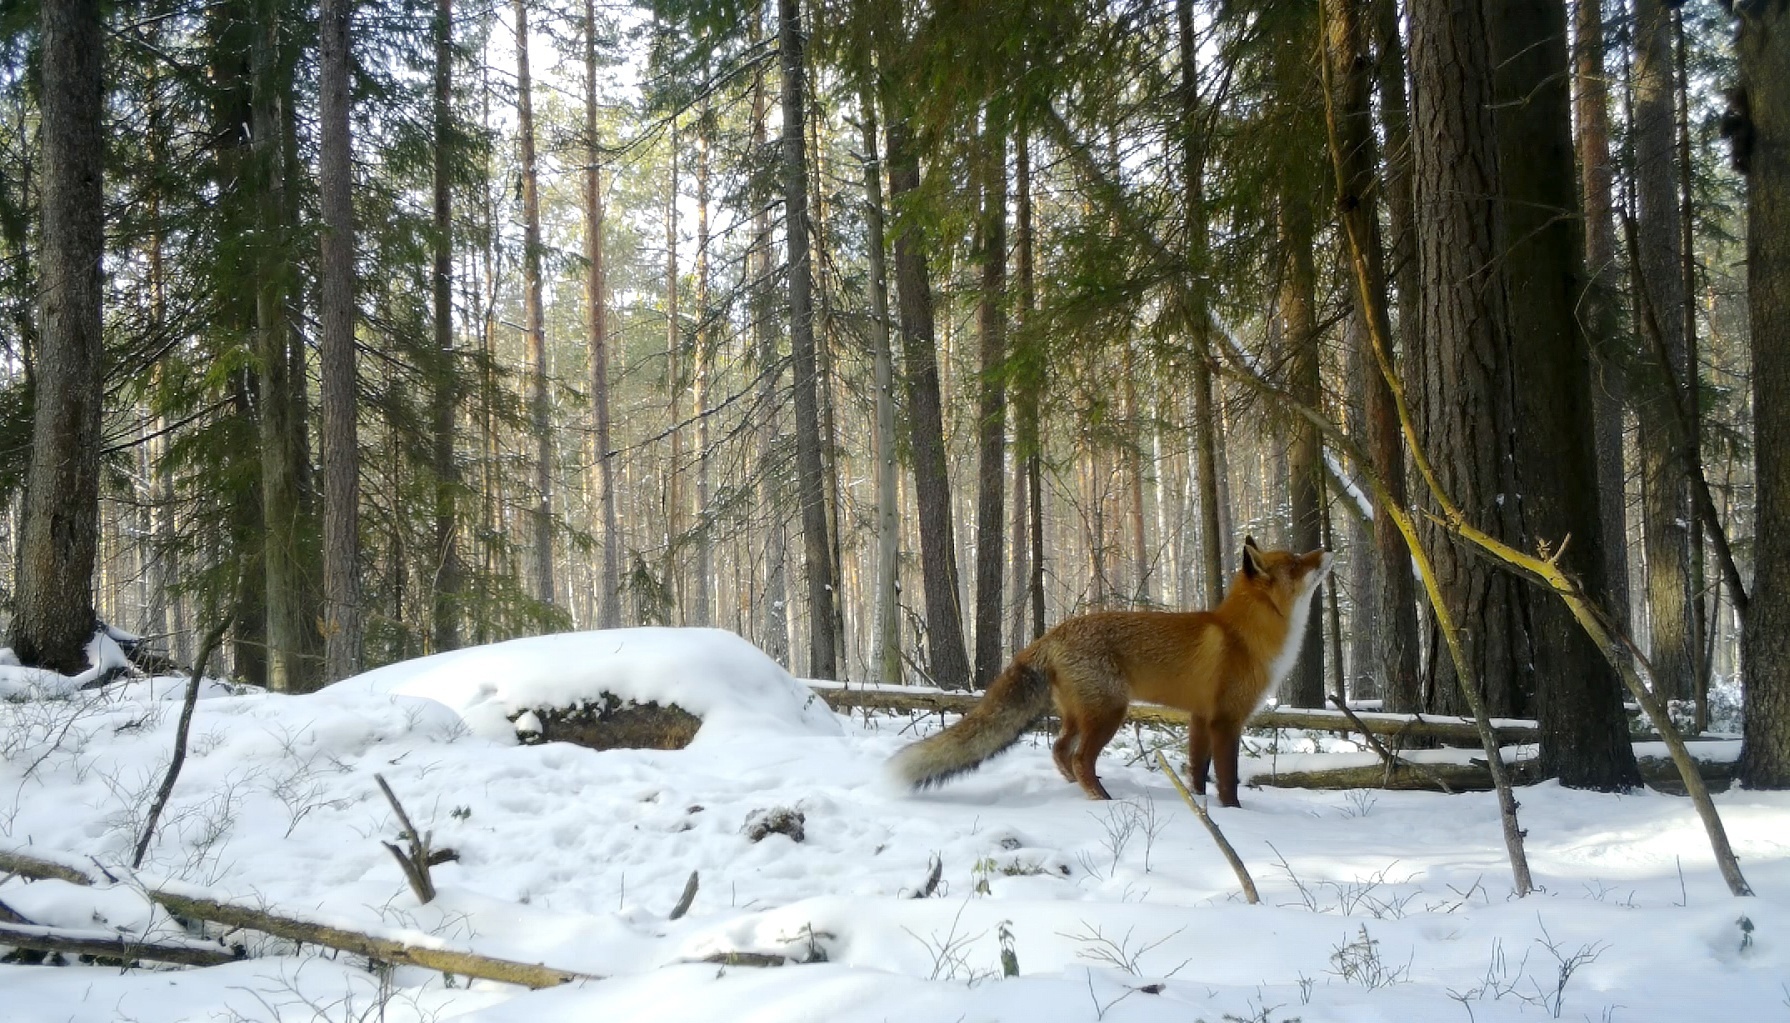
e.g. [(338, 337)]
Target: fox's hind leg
[(1199, 753), (1063, 750), (1098, 728)]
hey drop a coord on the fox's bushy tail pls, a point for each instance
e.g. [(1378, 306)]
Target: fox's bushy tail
[(1016, 698)]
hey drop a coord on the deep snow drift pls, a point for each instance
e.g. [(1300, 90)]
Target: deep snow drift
[(1377, 906)]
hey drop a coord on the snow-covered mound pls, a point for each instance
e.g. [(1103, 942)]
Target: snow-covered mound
[(712, 673)]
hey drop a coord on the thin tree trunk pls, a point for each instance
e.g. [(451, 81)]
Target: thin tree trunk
[(1760, 128), (1029, 443), (446, 608), (341, 452), (771, 471), (1305, 480), (674, 344), (991, 418), (1664, 491), (1578, 695), (1610, 360), (1692, 388), (702, 596), (596, 298), (1213, 537), (540, 579), (885, 650), (810, 481), (54, 614)]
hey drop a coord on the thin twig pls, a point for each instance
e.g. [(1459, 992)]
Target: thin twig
[(1224, 845)]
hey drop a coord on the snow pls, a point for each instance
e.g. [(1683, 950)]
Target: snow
[(1387, 906)]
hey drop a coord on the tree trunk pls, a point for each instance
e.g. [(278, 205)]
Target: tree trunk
[(674, 468), (991, 411), (702, 595), (774, 616), (445, 611), (59, 539), (609, 602), (286, 611), (341, 453), (1761, 134), (932, 483), (1028, 388), (810, 479), (1610, 360), (1463, 315), (1305, 482), (540, 576), (885, 649), (1213, 537), (1664, 494), (1578, 695)]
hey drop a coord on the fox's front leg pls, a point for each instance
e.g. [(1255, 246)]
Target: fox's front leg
[(1199, 753)]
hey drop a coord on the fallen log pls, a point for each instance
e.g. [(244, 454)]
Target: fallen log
[(25, 865), (1657, 772), (112, 946), (1410, 726), (382, 948)]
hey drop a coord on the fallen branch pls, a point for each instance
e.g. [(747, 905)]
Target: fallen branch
[(112, 946), (42, 870), (1658, 772), (1390, 759), (383, 949), (1224, 845), (416, 858), (684, 900)]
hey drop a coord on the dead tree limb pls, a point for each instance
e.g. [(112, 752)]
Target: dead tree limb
[(26, 865), (416, 858), (684, 900), (1224, 845), (187, 705), (1390, 759), (375, 947), (112, 946)]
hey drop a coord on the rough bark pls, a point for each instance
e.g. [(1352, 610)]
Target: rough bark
[(810, 476), (1029, 386), (60, 533), (774, 604), (1762, 147), (949, 658), (285, 614), (1660, 284), (991, 403), (702, 576), (1578, 697), (1464, 321), (674, 350), (336, 315)]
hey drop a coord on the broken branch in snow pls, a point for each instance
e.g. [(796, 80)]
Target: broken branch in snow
[(684, 900), (384, 949), (112, 946), (1224, 844), (416, 858), (42, 870)]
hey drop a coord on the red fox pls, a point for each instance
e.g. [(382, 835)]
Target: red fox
[(1216, 665)]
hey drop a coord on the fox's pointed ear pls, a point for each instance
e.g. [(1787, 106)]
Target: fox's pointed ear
[(1252, 558)]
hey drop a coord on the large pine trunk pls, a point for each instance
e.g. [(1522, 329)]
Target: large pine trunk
[(1305, 481), (1660, 300), (341, 454), (885, 646), (932, 483), (54, 616), (1763, 149), (1464, 321), (1584, 732), (810, 474)]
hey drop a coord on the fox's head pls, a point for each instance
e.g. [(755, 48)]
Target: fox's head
[(1288, 579)]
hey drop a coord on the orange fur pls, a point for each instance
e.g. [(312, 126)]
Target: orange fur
[(1217, 665)]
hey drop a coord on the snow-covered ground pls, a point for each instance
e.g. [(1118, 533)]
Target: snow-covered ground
[(1376, 906)]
